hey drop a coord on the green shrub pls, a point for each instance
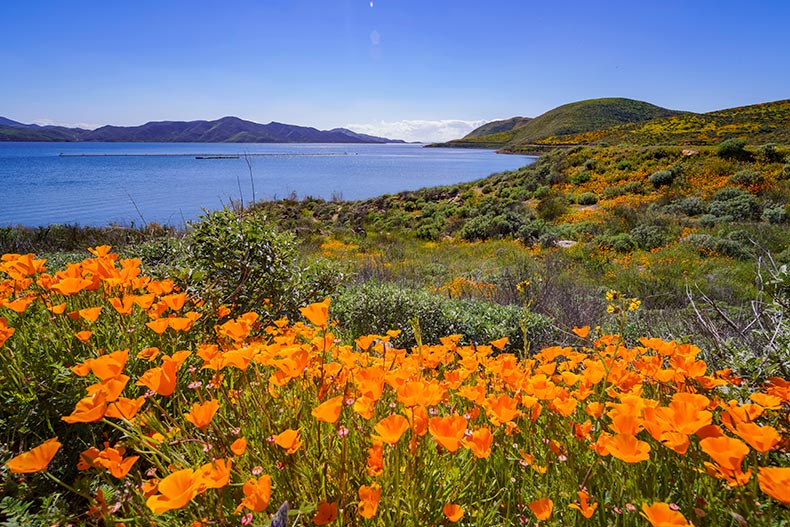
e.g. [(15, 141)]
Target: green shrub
[(587, 198), (775, 214), (661, 178), (735, 202), (648, 236), (245, 259), (733, 149), (769, 154), (691, 206), (375, 307), (581, 177), (551, 207), (747, 178)]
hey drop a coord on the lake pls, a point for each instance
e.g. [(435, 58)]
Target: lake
[(134, 183)]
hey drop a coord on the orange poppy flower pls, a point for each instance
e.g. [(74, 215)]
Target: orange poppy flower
[(91, 314), (179, 323), (148, 354), (391, 428), (418, 420), (585, 508), (453, 512), (201, 415), (376, 458), (771, 402), (88, 409), (163, 379), (775, 481), (661, 515), (19, 305), (174, 301), (158, 326), (542, 508), (317, 313), (71, 285), (326, 513), (124, 408), (35, 459), (503, 408), (760, 438), (240, 328), (112, 459), (239, 446), (257, 494), (369, 497), (329, 410), (84, 336), (365, 407), (581, 332), (123, 305), (500, 343), (626, 447), (213, 475), (175, 491), (480, 443), (726, 451), (289, 440), (448, 431)]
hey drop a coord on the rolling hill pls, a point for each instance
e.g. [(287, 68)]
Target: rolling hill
[(758, 124), (225, 130), (574, 118)]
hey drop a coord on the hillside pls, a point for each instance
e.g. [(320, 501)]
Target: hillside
[(497, 127), (513, 135), (225, 130), (758, 124), (587, 116)]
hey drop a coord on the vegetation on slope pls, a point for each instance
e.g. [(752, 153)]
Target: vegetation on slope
[(758, 124)]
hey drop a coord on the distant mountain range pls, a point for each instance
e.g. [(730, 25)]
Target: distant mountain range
[(225, 130), (627, 121)]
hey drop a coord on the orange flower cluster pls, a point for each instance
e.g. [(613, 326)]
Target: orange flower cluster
[(364, 419)]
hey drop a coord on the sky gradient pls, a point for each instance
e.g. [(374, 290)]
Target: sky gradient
[(411, 69)]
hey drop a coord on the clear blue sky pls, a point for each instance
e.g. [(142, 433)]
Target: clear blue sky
[(408, 66)]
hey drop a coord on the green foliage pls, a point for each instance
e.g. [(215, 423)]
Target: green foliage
[(661, 178), (246, 260), (551, 207), (747, 178), (587, 198), (374, 308), (648, 237), (735, 203), (769, 154), (733, 149)]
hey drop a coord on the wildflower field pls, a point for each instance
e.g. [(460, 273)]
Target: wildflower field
[(127, 401)]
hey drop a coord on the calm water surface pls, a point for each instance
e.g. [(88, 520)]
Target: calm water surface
[(38, 186)]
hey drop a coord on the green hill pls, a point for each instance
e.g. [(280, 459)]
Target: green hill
[(586, 116), (518, 133), (498, 127), (757, 124)]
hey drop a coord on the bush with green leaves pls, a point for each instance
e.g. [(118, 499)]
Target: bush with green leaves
[(747, 178), (587, 198), (769, 154), (648, 237), (735, 202), (246, 260), (774, 214), (733, 149), (375, 307), (661, 178)]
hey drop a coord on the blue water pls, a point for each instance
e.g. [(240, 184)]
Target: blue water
[(40, 187)]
